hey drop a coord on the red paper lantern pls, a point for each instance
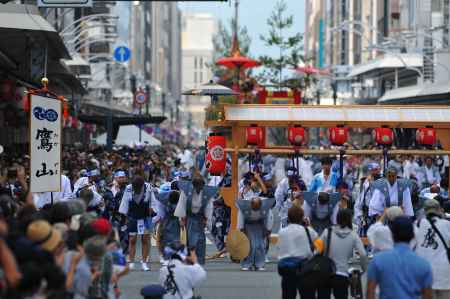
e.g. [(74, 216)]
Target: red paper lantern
[(255, 135), (383, 136), (296, 135), (216, 158), (426, 136), (338, 135)]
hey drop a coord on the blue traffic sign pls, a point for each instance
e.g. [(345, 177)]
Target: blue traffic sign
[(122, 54)]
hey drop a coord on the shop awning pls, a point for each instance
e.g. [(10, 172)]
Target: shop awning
[(122, 120), (431, 93), (22, 27), (58, 72), (388, 62)]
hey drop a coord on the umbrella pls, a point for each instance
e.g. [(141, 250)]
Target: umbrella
[(310, 70), (211, 89), (237, 61)]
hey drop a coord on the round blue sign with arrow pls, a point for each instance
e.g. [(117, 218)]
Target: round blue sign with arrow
[(122, 54)]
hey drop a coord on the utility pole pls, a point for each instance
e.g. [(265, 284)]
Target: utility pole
[(133, 91), (147, 103), (334, 88), (163, 103)]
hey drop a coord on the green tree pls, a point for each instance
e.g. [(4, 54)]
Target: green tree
[(289, 46), (223, 41)]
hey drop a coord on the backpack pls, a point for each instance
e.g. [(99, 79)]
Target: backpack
[(317, 270)]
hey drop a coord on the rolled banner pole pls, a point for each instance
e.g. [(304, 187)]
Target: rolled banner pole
[(385, 160), (341, 165)]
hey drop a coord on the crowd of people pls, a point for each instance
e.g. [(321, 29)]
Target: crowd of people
[(79, 242)]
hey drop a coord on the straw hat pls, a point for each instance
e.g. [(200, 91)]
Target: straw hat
[(41, 233), (237, 245)]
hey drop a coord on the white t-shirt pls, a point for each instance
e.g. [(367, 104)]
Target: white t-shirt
[(41, 199), (186, 277), (293, 241), (430, 247)]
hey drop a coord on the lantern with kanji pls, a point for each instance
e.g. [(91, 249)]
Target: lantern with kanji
[(383, 136), (426, 136), (216, 158), (255, 135), (296, 135), (338, 135)]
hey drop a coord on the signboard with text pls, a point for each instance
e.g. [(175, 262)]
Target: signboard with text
[(45, 144), (64, 3)]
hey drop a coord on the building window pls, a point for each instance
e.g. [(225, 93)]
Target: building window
[(436, 5), (195, 62), (201, 63), (195, 77), (201, 77)]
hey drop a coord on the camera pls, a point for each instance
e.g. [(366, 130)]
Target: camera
[(12, 173)]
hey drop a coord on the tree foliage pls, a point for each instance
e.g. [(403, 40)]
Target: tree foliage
[(222, 43), (290, 47)]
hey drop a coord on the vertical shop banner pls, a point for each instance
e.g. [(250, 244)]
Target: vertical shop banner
[(45, 144)]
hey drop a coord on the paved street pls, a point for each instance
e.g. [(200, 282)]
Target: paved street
[(225, 281)]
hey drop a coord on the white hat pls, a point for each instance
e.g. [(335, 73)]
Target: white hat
[(393, 212)]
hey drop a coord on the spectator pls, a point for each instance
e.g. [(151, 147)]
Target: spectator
[(399, 272), (182, 273), (431, 233), (294, 248), (86, 281), (379, 234), (343, 241)]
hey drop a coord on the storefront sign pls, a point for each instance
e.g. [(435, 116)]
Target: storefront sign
[(45, 144)]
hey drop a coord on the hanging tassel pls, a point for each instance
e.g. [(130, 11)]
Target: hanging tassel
[(65, 108), (26, 103)]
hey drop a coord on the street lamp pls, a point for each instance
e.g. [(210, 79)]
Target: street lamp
[(77, 24), (77, 31)]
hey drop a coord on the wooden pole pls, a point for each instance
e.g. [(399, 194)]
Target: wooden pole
[(330, 152), (443, 136)]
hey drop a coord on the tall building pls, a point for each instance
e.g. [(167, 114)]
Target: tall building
[(373, 46), (198, 30), (155, 39), (334, 39)]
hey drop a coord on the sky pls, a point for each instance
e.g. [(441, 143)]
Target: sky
[(253, 14)]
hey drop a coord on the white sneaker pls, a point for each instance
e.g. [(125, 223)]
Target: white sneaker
[(245, 269), (267, 259), (131, 266), (145, 267), (261, 269)]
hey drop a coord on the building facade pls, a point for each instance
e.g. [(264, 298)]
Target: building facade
[(198, 30), (155, 38), (351, 38)]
